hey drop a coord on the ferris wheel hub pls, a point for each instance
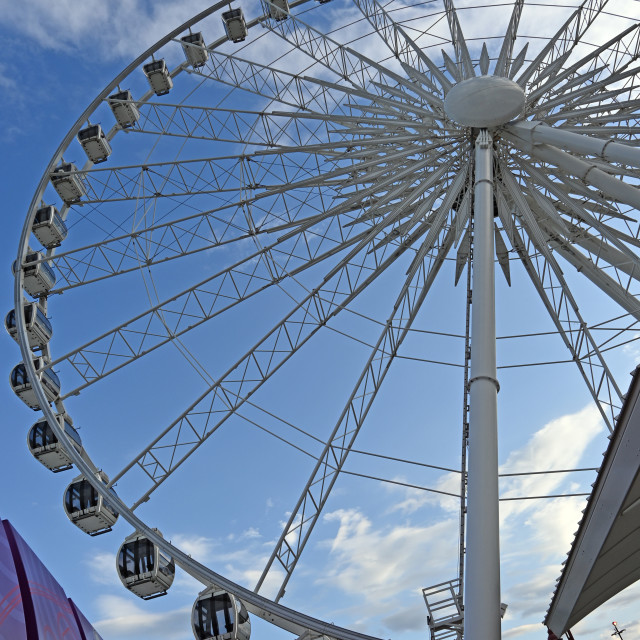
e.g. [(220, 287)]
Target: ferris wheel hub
[(484, 101)]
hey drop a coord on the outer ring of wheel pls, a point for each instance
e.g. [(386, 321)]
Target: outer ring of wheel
[(276, 614)]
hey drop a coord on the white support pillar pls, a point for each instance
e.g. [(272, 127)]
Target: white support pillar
[(482, 583)]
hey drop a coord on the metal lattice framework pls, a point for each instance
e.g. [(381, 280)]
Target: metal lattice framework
[(346, 168)]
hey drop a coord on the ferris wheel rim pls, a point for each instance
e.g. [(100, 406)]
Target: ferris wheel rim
[(26, 353), (261, 606)]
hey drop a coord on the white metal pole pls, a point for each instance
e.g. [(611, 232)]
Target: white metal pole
[(482, 587)]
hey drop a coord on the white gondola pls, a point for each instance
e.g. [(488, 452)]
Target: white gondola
[(95, 143), (278, 9), (158, 76), (39, 278), (125, 110), (21, 384), (46, 448), (195, 50), (235, 25), (49, 227), (220, 615), (37, 325), (86, 508), (67, 182), (143, 568)]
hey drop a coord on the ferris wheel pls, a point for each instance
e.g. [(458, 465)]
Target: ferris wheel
[(262, 199)]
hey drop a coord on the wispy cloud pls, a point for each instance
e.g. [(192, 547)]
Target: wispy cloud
[(560, 444), (535, 534), (124, 620), (103, 569), (381, 564), (199, 547), (6, 81), (113, 30)]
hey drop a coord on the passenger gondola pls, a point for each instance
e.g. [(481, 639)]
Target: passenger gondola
[(86, 508), (21, 384), (195, 50), (278, 9), (235, 25), (143, 568), (49, 227), (95, 143), (47, 449), (39, 277), (125, 110), (158, 77), (67, 183), (37, 325), (219, 615)]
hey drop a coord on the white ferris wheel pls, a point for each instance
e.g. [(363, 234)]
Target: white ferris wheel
[(278, 214)]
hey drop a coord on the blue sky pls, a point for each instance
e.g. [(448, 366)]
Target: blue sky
[(376, 543)]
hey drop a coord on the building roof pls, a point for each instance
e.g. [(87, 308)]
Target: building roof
[(605, 555)]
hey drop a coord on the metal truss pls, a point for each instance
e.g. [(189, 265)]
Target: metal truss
[(162, 243), (277, 206), (287, 256), (280, 87), (183, 312), (549, 60), (325, 473), (556, 295), (580, 211), (504, 64), (254, 128), (581, 79), (402, 46), (180, 179), (463, 59), (185, 435), (349, 65)]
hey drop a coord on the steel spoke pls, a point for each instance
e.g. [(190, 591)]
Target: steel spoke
[(325, 473), (184, 436), (563, 41)]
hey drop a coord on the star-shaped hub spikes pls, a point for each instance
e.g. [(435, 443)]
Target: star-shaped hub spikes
[(562, 179)]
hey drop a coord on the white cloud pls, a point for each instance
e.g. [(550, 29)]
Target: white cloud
[(632, 349), (407, 619), (553, 523), (380, 565), (251, 534), (560, 444), (514, 632), (199, 547), (530, 598), (103, 569), (116, 29), (536, 534), (415, 499), (124, 620)]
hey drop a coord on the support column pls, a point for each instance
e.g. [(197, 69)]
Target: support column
[(482, 584)]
